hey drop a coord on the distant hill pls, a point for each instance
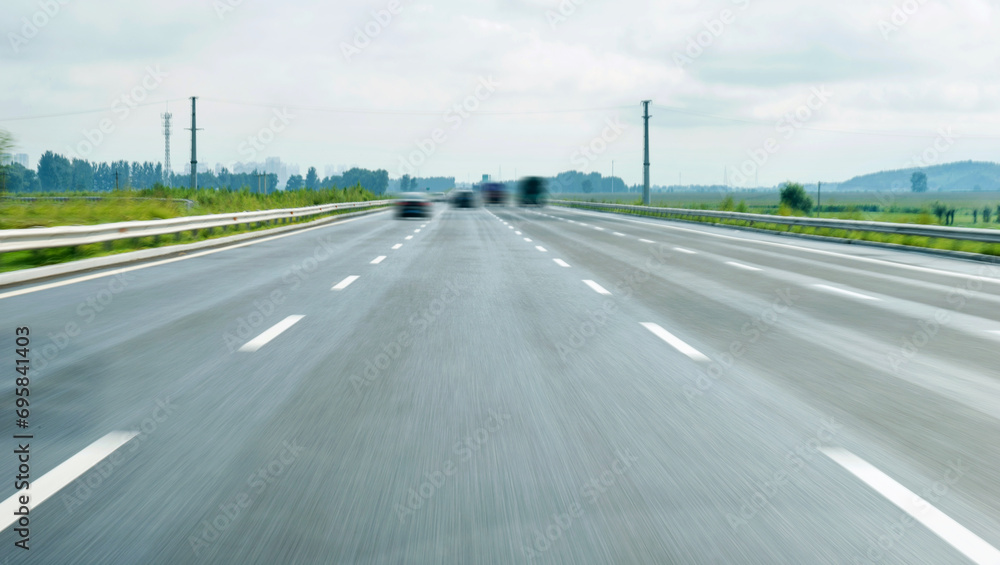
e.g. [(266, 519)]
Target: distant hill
[(961, 175)]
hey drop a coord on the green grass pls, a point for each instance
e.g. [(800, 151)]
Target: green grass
[(120, 208), (127, 206)]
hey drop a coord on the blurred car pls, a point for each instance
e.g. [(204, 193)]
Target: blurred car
[(494, 193), (439, 197), (531, 191), (463, 198), (413, 205)]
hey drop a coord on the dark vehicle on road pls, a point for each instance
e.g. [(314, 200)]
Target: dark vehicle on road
[(463, 199), (413, 205), (531, 191), (494, 193)]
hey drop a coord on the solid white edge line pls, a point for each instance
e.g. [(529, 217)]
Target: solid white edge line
[(378, 260), (742, 266), (561, 263), (596, 287), (63, 474), (114, 272), (968, 543), (397, 246), (540, 248), (345, 283), (845, 292), (674, 341), (270, 333)]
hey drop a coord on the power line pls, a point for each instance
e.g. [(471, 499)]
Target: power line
[(83, 112), (408, 112), (679, 110)]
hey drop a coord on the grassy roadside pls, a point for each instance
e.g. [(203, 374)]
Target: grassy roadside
[(84, 212), (931, 243)]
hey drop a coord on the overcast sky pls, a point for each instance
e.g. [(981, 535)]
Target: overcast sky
[(538, 79)]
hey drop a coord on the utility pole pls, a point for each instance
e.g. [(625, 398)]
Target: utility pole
[(167, 117), (645, 161), (194, 145)]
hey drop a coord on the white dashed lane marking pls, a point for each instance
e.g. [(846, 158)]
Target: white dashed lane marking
[(675, 342), (269, 334), (596, 287)]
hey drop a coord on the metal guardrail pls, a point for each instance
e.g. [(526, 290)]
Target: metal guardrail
[(71, 236), (188, 203), (940, 232)]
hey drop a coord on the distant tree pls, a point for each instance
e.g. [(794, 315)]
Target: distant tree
[(975, 215), (587, 186), (987, 212), (918, 182), (83, 175), (6, 144), (312, 179), (998, 214), (54, 172), (404, 183), (794, 196), (295, 182)]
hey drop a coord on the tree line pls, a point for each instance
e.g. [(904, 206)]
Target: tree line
[(56, 173)]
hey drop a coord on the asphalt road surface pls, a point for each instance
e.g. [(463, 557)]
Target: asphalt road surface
[(508, 385)]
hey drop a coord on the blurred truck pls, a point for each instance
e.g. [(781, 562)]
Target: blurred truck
[(494, 193), (531, 191)]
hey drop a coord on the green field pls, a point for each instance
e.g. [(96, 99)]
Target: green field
[(120, 207)]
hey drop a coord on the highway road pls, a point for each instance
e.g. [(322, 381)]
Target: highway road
[(509, 385)]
